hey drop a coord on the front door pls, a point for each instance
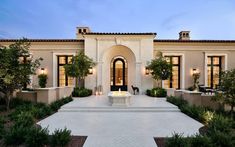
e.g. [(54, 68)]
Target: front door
[(118, 74)]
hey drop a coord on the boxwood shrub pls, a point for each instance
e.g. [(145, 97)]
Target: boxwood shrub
[(81, 92), (156, 92)]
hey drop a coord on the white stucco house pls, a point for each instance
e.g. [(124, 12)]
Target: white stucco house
[(122, 59)]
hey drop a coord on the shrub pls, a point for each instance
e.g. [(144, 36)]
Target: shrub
[(156, 92), (81, 92), (15, 136), (207, 116), (195, 112), (37, 137), (57, 104), (67, 99), (41, 110), (60, 137), (177, 101), (221, 139), (219, 123), (200, 141), (15, 102), (29, 108), (177, 141), (42, 80), (24, 119)]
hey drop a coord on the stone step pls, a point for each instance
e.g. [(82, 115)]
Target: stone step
[(119, 109), (120, 141)]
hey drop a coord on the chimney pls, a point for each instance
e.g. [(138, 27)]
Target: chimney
[(184, 35), (81, 31)]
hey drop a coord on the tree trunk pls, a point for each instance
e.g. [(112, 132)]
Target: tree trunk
[(8, 99), (231, 111), (79, 82), (76, 82)]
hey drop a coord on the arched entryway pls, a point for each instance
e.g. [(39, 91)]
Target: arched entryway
[(118, 74), (107, 57)]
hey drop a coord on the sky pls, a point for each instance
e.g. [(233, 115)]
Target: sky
[(58, 19)]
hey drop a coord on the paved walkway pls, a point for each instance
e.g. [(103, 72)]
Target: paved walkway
[(134, 126)]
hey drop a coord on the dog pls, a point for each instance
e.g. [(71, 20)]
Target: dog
[(135, 89)]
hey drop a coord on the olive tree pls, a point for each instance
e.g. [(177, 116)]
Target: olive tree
[(226, 95), (79, 68), (160, 68), (16, 66)]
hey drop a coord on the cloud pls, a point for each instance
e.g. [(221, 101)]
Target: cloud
[(171, 21)]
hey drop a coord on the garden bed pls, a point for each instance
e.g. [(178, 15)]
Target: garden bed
[(160, 141), (219, 129), (18, 125)]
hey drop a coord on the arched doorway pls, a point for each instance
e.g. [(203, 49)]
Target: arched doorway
[(118, 74)]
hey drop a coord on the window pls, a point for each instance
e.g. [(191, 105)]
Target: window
[(213, 70), (63, 79), (174, 81)]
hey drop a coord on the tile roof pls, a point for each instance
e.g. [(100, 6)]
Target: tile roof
[(194, 41), (43, 40), (119, 33)]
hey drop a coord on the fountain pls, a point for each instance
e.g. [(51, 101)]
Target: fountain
[(119, 98)]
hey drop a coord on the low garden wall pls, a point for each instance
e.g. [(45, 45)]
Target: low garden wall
[(63, 91), (170, 91), (45, 95), (198, 99), (27, 95)]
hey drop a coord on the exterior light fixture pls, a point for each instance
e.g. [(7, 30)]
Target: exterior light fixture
[(90, 71), (42, 70), (195, 71), (147, 71)]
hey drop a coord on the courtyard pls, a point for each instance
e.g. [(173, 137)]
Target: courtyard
[(135, 126)]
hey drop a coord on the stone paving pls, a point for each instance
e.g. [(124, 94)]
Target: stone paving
[(134, 126)]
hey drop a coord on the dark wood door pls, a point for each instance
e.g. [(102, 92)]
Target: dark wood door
[(119, 74)]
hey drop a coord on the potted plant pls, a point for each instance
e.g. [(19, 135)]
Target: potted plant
[(42, 80), (79, 68), (160, 70)]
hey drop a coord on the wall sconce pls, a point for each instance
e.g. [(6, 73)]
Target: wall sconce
[(90, 71), (42, 70), (195, 71), (147, 71)]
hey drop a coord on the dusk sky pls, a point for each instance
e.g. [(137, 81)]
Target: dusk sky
[(58, 19)]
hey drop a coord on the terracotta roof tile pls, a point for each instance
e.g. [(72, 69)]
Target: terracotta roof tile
[(118, 33), (43, 40), (194, 41)]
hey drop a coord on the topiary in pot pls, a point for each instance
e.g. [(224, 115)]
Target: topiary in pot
[(42, 80)]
